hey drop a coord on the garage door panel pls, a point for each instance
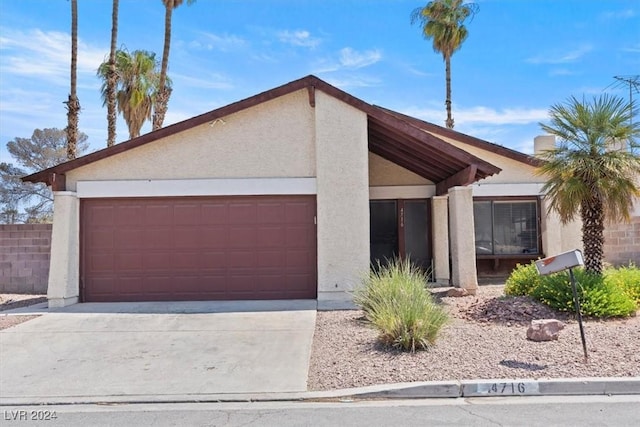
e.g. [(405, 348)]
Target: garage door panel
[(271, 213), (242, 213), (215, 213), (128, 238), (129, 215), (157, 237), (186, 237), (187, 214), (198, 248), (131, 261), (270, 236), (242, 237), (101, 239)]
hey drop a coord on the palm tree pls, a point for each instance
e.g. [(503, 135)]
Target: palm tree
[(443, 21), (73, 104), (112, 78), (137, 84), (594, 169), (164, 90)]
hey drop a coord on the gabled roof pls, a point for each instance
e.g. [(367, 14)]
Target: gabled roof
[(468, 139), (401, 139)]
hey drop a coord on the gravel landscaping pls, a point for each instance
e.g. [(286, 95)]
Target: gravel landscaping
[(485, 339), (11, 301)]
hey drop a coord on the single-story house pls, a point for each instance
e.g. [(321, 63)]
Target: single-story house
[(291, 194)]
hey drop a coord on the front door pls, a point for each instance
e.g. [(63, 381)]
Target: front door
[(401, 228)]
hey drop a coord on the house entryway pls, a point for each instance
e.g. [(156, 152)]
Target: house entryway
[(401, 228)]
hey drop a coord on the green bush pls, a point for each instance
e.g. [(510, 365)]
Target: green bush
[(523, 280), (610, 295), (395, 301), (627, 279)]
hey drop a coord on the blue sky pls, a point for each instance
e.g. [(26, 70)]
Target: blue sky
[(521, 57)]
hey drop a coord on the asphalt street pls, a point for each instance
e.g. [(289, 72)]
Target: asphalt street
[(547, 411)]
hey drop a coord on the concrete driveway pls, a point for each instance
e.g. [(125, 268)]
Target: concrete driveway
[(158, 349)]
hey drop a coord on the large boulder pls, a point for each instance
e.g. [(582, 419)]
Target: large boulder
[(544, 330)]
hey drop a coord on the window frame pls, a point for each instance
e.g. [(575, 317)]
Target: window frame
[(535, 199)]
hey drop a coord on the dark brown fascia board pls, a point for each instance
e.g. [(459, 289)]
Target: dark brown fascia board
[(385, 116), (468, 139), (464, 177)]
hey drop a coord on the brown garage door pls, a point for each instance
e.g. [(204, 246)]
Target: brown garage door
[(198, 248)]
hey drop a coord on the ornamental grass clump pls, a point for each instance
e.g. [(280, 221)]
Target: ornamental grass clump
[(396, 302)]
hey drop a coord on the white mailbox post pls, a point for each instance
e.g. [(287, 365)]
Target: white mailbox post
[(561, 262)]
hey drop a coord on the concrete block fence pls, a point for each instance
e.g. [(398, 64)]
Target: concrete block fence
[(24, 258), (622, 242)]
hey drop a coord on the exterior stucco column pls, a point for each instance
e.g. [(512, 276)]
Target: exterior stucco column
[(440, 230), (342, 176), (64, 269), (461, 227)]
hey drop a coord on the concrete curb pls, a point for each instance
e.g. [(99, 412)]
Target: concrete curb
[(413, 390)]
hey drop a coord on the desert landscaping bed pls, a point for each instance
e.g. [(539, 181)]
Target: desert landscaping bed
[(11, 301), (485, 339)]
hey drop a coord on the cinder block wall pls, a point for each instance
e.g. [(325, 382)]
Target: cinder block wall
[(622, 243), (24, 258)]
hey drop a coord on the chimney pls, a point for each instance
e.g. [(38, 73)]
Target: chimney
[(543, 142)]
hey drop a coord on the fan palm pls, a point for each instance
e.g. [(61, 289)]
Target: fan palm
[(443, 22), (137, 84), (164, 90), (593, 171), (112, 78), (73, 104)]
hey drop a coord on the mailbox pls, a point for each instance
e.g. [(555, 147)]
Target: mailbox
[(559, 262)]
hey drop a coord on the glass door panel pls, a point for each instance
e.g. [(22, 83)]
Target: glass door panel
[(384, 231), (417, 232)]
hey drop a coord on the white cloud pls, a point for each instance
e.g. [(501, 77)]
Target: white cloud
[(353, 81), (300, 38), (561, 57), (46, 55), (633, 48), (618, 14), (350, 58), (481, 115), (223, 43), (561, 72), (211, 81)]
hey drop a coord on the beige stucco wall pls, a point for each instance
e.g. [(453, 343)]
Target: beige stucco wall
[(273, 139), (513, 171), (343, 198), (382, 172)]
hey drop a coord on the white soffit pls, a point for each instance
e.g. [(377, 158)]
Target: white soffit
[(507, 189), (196, 187)]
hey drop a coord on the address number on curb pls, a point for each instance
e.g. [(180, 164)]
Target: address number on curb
[(508, 388)]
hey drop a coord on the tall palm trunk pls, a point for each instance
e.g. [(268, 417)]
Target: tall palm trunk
[(592, 213), (73, 104), (163, 94), (112, 78), (447, 72)]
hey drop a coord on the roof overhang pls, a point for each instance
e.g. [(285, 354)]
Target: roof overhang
[(400, 139)]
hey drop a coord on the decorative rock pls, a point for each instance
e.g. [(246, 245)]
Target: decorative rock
[(544, 330), (457, 292)]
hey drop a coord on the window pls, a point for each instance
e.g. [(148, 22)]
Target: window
[(506, 227)]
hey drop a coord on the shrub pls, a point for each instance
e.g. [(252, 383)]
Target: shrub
[(627, 279), (395, 301), (598, 297), (523, 280)]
